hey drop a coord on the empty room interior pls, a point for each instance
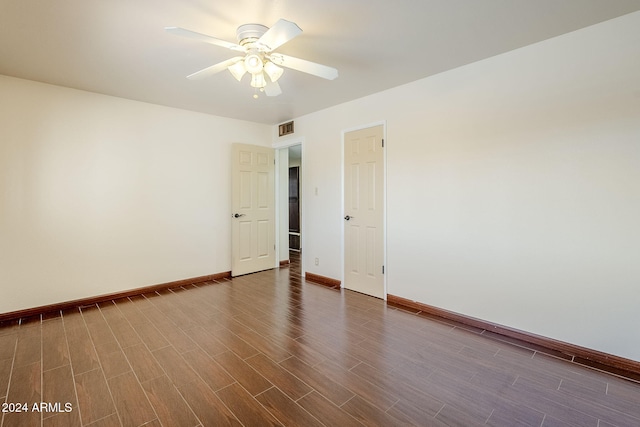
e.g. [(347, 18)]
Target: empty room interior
[(278, 212)]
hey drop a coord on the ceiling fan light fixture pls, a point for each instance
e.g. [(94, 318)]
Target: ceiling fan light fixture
[(258, 80), (253, 63), (238, 70), (273, 71)]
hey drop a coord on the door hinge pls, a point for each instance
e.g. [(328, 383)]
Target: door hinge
[(383, 269), (382, 142)]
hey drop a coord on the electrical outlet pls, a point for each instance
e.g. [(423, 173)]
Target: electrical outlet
[(317, 261)]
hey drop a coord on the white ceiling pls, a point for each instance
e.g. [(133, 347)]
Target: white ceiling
[(120, 48)]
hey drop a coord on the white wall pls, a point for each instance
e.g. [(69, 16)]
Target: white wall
[(513, 187), (100, 194)]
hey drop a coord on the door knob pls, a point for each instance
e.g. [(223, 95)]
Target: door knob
[(348, 217), (237, 215)]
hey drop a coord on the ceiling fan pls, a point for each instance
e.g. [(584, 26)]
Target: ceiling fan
[(257, 44)]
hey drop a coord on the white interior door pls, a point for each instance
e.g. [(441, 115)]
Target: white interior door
[(364, 211), (253, 203)]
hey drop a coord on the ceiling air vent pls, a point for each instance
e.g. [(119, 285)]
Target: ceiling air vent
[(285, 128)]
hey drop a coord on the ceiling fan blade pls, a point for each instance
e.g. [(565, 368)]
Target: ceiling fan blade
[(281, 32), (303, 65), (203, 38), (272, 88), (209, 71)]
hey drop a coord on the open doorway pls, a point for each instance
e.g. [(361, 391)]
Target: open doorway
[(290, 203), (295, 229)]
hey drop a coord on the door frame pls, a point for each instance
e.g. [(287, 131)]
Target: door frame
[(382, 123), (284, 145)]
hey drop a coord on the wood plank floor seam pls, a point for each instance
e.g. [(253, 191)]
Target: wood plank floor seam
[(75, 388), (99, 362)]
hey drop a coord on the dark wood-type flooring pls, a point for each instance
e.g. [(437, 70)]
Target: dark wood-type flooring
[(271, 349)]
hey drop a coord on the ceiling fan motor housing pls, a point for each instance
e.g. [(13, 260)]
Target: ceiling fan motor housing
[(250, 33)]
